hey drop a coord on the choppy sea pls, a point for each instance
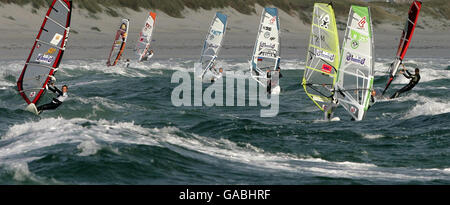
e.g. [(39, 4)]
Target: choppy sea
[(119, 126)]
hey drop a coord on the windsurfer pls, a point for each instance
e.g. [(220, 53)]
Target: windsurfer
[(414, 80), (216, 73), (56, 102), (329, 110), (148, 55)]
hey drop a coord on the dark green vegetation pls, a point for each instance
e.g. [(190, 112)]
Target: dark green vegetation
[(382, 11)]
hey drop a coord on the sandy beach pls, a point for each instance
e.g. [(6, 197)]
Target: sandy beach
[(92, 36)]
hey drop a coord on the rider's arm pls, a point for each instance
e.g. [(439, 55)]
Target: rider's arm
[(407, 74), (56, 90), (52, 88)]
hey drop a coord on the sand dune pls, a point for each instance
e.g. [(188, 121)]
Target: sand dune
[(92, 36)]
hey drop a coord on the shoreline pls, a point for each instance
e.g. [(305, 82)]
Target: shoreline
[(183, 37)]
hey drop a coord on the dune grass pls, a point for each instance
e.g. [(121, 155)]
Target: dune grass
[(381, 11)]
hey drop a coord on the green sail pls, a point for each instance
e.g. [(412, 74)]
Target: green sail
[(322, 60), (355, 77)]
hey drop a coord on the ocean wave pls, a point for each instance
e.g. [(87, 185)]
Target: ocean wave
[(428, 106), (91, 135)]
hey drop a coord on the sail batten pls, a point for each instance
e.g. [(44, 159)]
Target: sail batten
[(145, 37), (355, 77), (405, 40), (213, 42), (119, 43), (266, 52), (322, 60), (47, 51)]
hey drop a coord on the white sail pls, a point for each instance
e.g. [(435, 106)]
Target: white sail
[(213, 43), (145, 37), (266, 52), (355, 75)]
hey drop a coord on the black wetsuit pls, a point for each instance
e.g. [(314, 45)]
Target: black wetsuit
[(56, 101), (414, 80), (269, 82)]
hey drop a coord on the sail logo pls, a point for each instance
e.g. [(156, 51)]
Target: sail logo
[(353, 110), (268, 53), (318, 38), (357, 38), (325, 55), (212, 45), (324, 21), (355, 35), (50, 51), (362, 22), (44, 58), (266, 34), (32, 94), (326, 68), (355, 59), (273, 20), (354, 44), (267, 28), (214, 32), (265, 45), (56, 39)]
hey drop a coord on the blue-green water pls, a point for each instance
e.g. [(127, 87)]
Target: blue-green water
[(119, 127)]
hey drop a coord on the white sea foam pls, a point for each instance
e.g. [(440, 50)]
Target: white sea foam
[(428, 106), (90, 136), (258, 159), (373, 136)]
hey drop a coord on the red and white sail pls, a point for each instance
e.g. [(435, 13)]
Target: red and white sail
[(47, 51), (145, 37), (405, 40)]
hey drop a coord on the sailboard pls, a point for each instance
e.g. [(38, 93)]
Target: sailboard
[(355, 75), (46, 53), (145, 37), (212, 44), (405, 40), (120, 41), (266, 52), (322, 60)]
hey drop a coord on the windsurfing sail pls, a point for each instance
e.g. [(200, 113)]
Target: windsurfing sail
[(145, 37), (355, 74), (322, 59), (47, 52), (213, 42), (266, 53), (405, 40), (119, 43)]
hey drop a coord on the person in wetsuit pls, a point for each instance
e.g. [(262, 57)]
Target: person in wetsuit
[(414, 80), (148, 55), (216, 73), (279, 72), (269, 81), (56, 102), (269, 78), (329, 110), (127, 63)]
